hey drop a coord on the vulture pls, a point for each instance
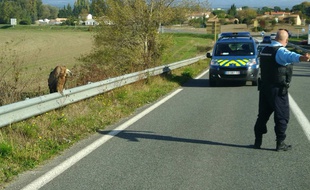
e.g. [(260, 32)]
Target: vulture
[(57, 79)]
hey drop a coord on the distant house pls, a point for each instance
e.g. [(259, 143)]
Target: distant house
[(296, 19), (61, 19), (199, 15), (283, 16), (213, 19), (51, 22), (278, 14), (90, 21), (58, 21), (42, 22)]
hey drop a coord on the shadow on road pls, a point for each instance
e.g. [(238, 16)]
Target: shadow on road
[(134, 136), (186, 80), (196, 83), (301, 70), (205, 83)]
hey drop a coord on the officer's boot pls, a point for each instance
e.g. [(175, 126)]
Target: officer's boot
[(259, 130), (281, 146), (258, 141)]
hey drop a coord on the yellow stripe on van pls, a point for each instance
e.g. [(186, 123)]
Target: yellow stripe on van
[(237, 63)]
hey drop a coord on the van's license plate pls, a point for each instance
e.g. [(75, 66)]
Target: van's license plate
[(232, 72)]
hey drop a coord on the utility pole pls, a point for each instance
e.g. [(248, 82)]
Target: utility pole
[(215, 32)]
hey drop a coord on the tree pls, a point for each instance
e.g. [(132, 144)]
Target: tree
[(262, 23), (54, 12), (81, 6), (6, 9), (178, 15), (203, 21), (219, 13), (132, 40), (303, 9), (232, 11), (263, 10), (47, 11), (66, 12), (26, 11), (277, 9), (187, 7), (33, 7), (246, 16), (98, 7), (127, 38), (44, 12)]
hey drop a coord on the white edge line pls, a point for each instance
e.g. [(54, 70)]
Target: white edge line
[(300, 116), (202, 74), (50, 175)]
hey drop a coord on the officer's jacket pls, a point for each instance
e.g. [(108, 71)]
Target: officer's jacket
[(273, 73)]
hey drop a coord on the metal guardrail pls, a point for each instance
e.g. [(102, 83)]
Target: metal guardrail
[(298, 47), (22, 110)]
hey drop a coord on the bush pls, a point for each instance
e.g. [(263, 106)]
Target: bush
[(188, 73), (5, 149), (203, 48), (24, 22)]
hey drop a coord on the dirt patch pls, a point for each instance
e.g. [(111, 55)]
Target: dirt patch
[(234, 28)]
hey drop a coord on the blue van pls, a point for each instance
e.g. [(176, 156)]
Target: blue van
[(234, 58)]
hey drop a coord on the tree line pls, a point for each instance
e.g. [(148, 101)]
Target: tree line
[(25, 11), (131, 39), (28, 11), (247, 14)]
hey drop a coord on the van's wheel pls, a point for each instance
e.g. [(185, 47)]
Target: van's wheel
[(254, 83)]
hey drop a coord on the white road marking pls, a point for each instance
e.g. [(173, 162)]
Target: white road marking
[(300, 116), (202, 74), (49, 176)]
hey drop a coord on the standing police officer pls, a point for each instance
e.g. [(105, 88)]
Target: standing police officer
[(276, 72)]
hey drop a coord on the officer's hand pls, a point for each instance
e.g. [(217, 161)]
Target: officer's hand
[(305, 57), (308, 56)]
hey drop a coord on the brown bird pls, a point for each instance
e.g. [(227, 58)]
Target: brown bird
[(58, 78)]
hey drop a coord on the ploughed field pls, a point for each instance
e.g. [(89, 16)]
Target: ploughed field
[(35, 52)]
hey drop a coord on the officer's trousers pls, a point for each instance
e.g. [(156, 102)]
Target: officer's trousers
[(271, 100)]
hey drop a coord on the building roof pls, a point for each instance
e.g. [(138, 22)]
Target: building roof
[(277, 13)]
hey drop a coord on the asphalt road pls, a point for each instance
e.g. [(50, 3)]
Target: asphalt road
[(197, 138)]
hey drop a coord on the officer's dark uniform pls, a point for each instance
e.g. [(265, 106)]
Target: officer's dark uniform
[(273, 96)]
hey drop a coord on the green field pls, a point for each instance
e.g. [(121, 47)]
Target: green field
[(38, 49)]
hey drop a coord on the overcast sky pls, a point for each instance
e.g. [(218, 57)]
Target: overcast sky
[(215, 3)]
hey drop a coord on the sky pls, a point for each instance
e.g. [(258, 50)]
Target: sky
[(59, 3), (214, 3)]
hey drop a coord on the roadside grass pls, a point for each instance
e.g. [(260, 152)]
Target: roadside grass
[(297, 41), (27, 144), (188, 46)]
